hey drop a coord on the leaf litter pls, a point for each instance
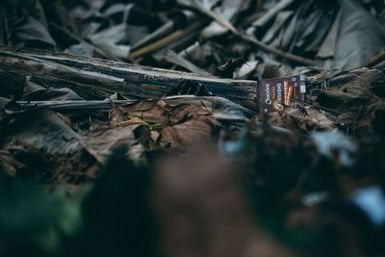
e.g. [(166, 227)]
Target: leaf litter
[(99, 158)]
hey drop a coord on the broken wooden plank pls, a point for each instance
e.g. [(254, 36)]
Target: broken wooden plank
[(58, 69)]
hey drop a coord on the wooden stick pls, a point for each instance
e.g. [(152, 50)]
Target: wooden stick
[(165, 29), (69, 105), (168, 40), (62, 70), (377, 59), (74, 104)]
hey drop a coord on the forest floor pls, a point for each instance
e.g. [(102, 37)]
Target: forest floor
[(192, 128)]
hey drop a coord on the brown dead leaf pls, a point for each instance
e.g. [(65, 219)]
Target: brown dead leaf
[(151, 112), (44, 141), (304, 120), (180, 122), (186, 134), (101, 142)]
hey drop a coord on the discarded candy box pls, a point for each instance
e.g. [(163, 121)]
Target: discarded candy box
[(276, 94)]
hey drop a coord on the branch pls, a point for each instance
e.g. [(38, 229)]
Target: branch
[(135, 81)]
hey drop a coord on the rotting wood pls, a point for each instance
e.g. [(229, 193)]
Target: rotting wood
[(111, 76)]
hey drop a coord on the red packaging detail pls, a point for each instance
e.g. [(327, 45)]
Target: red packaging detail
[(279, 93)]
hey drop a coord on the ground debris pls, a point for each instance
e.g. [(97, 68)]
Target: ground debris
[(192, 128)]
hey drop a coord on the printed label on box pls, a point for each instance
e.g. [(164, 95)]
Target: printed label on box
[(280, 93)]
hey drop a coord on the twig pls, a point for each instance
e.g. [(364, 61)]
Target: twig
[(177, 35), (278, 52), (377, 59), (108, 104), (74, 105), (160, 32)]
